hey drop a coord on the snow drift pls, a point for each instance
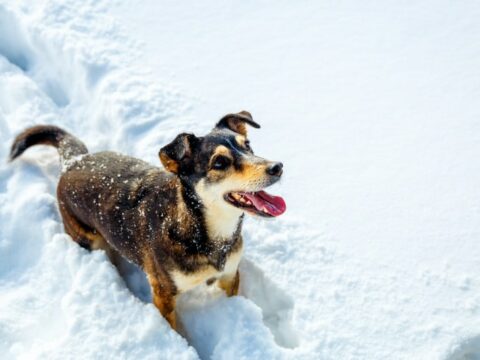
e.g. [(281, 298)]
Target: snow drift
[(305, 295)]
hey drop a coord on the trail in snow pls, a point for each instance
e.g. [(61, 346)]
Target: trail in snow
[(70, 64), (45, 279), (49, 284)]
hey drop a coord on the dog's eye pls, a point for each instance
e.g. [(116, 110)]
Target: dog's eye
[(221, 163), (247, 145)]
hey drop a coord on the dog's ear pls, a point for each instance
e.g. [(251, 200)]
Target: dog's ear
[(177, 157), (236, 122)]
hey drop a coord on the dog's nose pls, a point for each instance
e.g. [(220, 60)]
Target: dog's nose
[(275, 169)]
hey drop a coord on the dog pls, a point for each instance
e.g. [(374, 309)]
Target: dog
[(181, 224)]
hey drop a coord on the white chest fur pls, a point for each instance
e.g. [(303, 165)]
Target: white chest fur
[(221, 218), (185, 282)]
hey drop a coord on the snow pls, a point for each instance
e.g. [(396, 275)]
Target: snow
[(372, 107)]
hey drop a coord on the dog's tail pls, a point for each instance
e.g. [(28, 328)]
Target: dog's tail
[(68, 146)]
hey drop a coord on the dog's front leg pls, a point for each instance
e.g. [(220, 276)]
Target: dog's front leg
[(230, 283), (164, 298)]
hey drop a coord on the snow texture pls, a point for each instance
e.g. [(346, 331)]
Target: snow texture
[(373, 108)]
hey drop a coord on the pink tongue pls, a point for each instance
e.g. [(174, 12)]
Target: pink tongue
[(273, 205)]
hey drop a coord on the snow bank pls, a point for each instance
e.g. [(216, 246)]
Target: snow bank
[(304, 295), (57, 300)]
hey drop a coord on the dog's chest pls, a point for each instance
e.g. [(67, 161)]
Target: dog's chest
[(186, 281)]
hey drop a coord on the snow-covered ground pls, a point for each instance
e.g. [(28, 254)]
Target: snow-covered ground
[(372, 106)]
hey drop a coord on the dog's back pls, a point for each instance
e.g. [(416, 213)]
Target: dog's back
[(120, 197)]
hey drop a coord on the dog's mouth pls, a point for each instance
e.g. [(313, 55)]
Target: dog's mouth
[(259, 203)]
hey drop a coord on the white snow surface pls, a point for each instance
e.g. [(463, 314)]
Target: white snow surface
[(372, 106)]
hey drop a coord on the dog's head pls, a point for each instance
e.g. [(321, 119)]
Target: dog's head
[(223, 169)]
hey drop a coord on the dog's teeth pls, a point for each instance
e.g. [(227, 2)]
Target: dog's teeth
[(240, 198)]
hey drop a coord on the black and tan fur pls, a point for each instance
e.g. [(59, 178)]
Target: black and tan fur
[(174, 224)]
